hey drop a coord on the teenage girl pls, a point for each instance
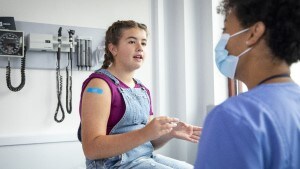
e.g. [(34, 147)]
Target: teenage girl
[(118, 129)]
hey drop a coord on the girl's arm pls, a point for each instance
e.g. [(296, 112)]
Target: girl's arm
[(95, 112)]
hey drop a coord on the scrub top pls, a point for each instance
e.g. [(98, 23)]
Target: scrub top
[(256, 129)]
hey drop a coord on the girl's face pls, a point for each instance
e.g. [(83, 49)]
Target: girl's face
[(131, 50)]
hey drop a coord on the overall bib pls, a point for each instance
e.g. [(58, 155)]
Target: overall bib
[(136, 115)]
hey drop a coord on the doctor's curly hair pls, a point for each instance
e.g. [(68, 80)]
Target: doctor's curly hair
[(113, 35), (281, 19)]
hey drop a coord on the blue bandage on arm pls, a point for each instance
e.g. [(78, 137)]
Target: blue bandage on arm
[(94, 90)]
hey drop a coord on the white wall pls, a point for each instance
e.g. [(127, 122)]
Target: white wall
[(29, 136), (295, 69)]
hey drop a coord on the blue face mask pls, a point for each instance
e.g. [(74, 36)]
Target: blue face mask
[(227, 63)]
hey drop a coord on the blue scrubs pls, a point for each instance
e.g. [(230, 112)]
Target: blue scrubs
[(256, 129)]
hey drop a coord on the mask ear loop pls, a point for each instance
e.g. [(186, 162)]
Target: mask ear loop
[(247, 50), (242, 31)]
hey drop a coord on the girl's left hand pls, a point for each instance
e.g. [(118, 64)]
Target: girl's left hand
[(186, 132)]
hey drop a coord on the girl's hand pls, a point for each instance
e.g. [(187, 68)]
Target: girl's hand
[(186, 132), (160, 126)]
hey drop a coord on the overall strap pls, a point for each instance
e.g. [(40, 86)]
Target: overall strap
[(139, 83), (107, 73)]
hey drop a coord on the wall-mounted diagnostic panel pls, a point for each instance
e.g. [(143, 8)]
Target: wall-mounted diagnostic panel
[(41, 41)]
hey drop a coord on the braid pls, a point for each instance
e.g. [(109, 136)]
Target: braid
[(113, 35), (107, 61)]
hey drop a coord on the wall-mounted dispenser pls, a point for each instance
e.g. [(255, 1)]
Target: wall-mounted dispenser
[(48, 42), (84, 52)]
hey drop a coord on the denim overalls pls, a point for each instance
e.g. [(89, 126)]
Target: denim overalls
[(136, 116)]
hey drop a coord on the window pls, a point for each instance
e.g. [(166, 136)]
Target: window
[(234, 87)]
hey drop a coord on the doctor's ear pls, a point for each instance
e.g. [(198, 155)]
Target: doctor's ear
[(257, 31), (112, 48)]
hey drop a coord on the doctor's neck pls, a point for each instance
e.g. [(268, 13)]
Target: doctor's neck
[(280, 74)]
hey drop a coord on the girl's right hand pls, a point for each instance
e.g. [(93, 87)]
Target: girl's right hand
[(160, 126)]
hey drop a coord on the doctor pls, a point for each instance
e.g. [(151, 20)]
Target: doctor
[(259, 128)]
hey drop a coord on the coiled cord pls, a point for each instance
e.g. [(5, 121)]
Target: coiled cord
[(8, 79), (69, 91), (59, 91)]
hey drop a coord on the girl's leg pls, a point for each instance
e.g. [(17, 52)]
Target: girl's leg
[(173, 163), (145, 163)]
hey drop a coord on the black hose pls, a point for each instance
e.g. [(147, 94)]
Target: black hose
[(69, 91), (59, 91), (8, 79), (59, 82)]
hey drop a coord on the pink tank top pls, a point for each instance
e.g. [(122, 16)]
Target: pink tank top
[(117, 108)]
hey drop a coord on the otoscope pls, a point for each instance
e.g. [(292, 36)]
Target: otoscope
[(69, 78)]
